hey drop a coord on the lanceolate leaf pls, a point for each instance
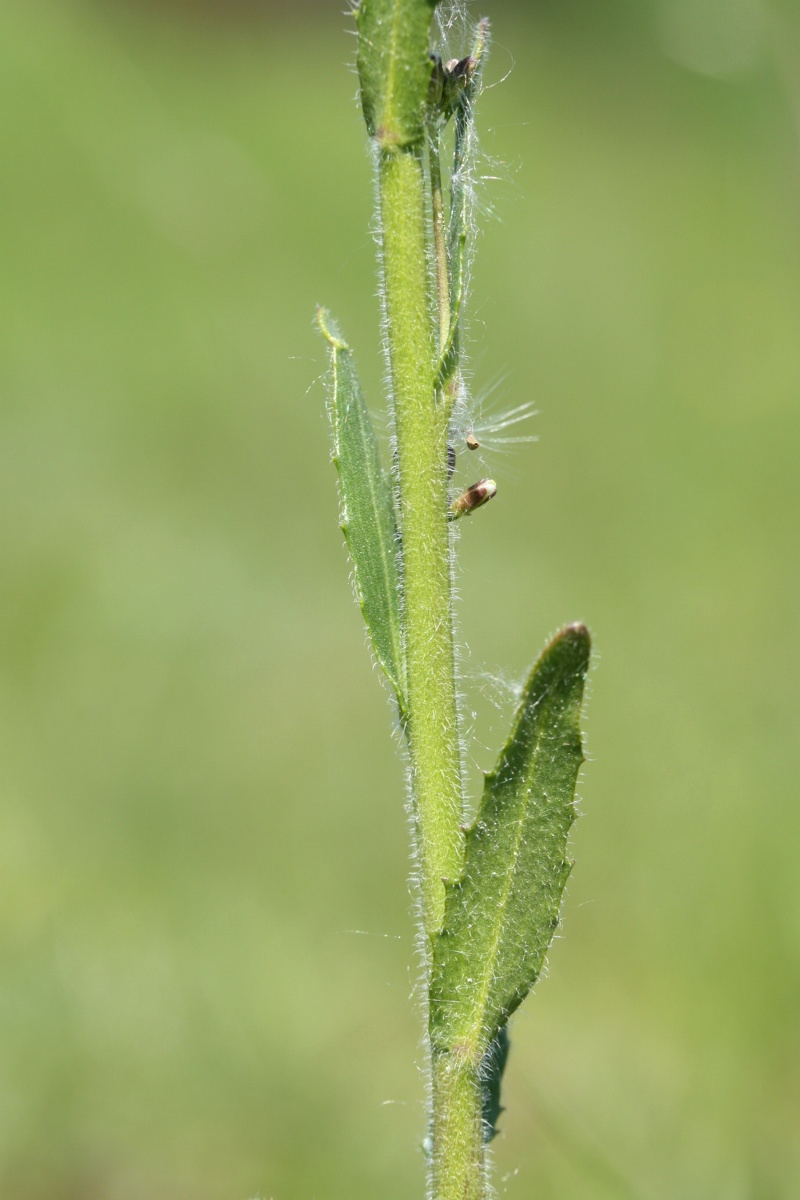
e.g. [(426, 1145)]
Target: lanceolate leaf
[(501, 916), (394, 67), (367, 513)]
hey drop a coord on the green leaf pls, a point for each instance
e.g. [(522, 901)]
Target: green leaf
[(492, 1069), (501, 915), (367, 513), (394, 68), (462, 199)]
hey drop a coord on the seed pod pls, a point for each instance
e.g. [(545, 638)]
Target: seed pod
[(475, 495)]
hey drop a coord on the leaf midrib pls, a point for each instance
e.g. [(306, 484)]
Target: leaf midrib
[(397, 665), (390, 83)]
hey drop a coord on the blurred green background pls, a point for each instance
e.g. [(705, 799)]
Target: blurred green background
[(201, 800)]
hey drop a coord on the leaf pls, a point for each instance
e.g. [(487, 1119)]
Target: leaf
[(462, 200), (501, 915), (367, 512), (394, 67), (493, 1067)]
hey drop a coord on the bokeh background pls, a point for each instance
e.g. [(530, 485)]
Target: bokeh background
[(206, 948)]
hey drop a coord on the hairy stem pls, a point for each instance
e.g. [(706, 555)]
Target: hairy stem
[(459, 1153), (421, 432)]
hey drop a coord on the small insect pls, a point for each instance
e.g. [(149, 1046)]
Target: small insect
[(475, 495), (472, 441)]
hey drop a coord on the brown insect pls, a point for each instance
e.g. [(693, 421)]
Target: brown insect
[(475, 495)]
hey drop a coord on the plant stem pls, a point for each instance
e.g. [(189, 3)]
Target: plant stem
[(421, 432), (485, 937), (459, 1152)]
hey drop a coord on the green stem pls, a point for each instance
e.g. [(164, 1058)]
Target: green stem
[(421, 432), (459, 1152)]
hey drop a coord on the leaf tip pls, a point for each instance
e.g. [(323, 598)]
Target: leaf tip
[(329, 329), (578, 633), (571, 649)]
